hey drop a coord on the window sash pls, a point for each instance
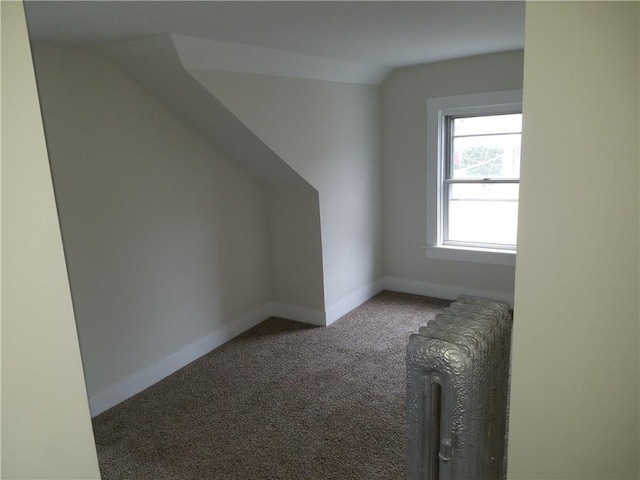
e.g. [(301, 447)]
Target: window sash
[(448, 181), (449, 136)]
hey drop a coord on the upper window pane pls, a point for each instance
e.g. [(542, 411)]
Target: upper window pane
[(485, 156), (488, 124)]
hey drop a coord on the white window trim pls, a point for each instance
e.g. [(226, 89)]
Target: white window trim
[(508, 101)]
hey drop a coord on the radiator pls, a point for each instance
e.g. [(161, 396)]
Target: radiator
[(457, 388)]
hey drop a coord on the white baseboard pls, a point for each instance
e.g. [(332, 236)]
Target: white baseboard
[(331, 314), (119, 392), (299, 314), (128, 387), (111, 396), (357, 298), (449, 292)]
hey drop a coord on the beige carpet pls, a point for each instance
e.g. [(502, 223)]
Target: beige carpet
[(282, 401)]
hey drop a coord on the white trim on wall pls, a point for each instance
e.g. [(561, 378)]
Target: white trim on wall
[(143, 379), (299, 314), (130, 386), (449, 292), (331, 314), (344, 306)]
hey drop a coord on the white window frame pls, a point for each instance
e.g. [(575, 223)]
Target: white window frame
[(492, 103)]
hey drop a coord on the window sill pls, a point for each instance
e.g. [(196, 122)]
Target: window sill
[(473, 255)]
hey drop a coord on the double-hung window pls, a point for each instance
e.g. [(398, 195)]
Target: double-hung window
[(473, 175)]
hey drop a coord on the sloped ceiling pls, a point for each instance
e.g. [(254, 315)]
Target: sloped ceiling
[(157, 43), (155, 64), (206, 54), (386, 34)]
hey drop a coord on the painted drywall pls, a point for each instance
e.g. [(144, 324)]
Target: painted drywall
[(296, 249), (404, 97), (575, 381), (46, 428), (155, 63), (329, 133), (166, 239), (209, 54)]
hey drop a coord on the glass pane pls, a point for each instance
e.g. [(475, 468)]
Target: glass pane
[(486, 157), (483, 213), (488, 124)]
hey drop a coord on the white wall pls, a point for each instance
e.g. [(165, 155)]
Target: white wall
[(329, 133), (404, 97), (46, 429), (575, 383), (157, 64), (296, 248), (166, 240)]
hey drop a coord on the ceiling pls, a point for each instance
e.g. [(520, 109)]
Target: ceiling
[(382, 33)]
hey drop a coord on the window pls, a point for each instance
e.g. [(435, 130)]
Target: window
[(473, 175)]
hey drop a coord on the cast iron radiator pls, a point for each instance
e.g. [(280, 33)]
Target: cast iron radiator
[(457, 388)]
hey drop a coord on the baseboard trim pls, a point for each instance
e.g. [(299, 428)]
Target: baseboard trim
[(124, 389), (348, 303), (299, 314), (449, 292)]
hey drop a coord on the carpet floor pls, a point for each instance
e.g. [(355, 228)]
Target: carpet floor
[(284, 400)]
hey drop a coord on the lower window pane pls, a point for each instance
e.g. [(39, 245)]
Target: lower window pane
[(483, 213)]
